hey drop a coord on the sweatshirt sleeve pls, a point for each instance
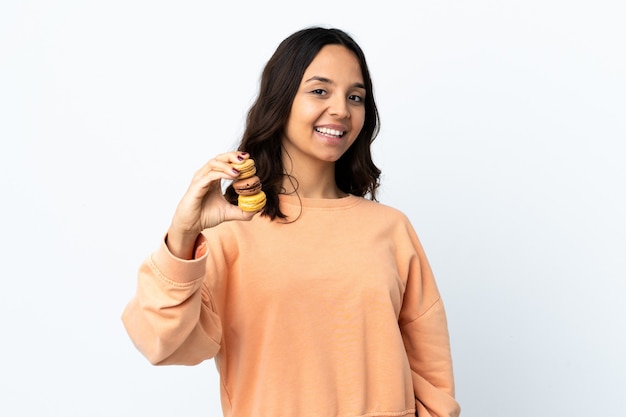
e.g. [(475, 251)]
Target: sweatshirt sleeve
[(172, 319), (424, 329)]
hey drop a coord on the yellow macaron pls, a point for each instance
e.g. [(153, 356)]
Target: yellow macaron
[(254, 202), (246, 169)]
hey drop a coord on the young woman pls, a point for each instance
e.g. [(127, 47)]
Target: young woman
[(323, 304)]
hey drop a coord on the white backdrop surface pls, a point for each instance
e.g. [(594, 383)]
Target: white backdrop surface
[(503, 129)]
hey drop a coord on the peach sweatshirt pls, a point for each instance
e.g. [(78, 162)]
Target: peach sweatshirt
[(336, 314)]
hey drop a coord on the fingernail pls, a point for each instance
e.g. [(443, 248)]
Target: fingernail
[(240, 157), (244, 153), (235, 170)]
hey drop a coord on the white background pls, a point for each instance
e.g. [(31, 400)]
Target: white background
[(503, 128)]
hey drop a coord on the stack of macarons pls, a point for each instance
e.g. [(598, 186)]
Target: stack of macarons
[(248, 187)]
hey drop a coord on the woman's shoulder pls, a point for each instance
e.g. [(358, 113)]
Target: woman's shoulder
[(385, 217), (383, 209)]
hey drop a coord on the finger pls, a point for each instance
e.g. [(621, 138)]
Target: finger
[(227, 159), (233, 157), (223, 164)]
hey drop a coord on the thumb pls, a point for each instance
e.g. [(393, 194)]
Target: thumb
[(238, 214)]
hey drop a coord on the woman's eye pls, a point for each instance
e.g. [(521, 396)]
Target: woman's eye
[(355, 98), (319, 91)]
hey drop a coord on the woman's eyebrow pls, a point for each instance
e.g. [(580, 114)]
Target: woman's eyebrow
[(329, 81), (320, 79)]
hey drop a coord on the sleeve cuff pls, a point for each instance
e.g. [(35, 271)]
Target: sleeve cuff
[(181, 270)]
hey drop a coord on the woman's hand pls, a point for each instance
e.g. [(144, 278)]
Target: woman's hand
[(203, 205)]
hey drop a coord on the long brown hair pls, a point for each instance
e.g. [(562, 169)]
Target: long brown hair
[(355, 172)]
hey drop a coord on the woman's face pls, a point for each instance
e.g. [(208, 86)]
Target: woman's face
[(328, 110)]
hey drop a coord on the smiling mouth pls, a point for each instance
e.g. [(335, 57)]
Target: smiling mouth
[(330, 132)]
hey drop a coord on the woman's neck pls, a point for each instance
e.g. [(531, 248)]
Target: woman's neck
[(311, 180)]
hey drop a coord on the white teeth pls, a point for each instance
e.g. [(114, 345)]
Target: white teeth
[(327, 131)]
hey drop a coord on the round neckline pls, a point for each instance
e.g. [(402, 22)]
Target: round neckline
[(323, 203)]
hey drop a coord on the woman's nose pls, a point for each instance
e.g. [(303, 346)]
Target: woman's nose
[(339, 107)]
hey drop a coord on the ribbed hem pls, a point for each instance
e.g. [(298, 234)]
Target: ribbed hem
[(170, 266)]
